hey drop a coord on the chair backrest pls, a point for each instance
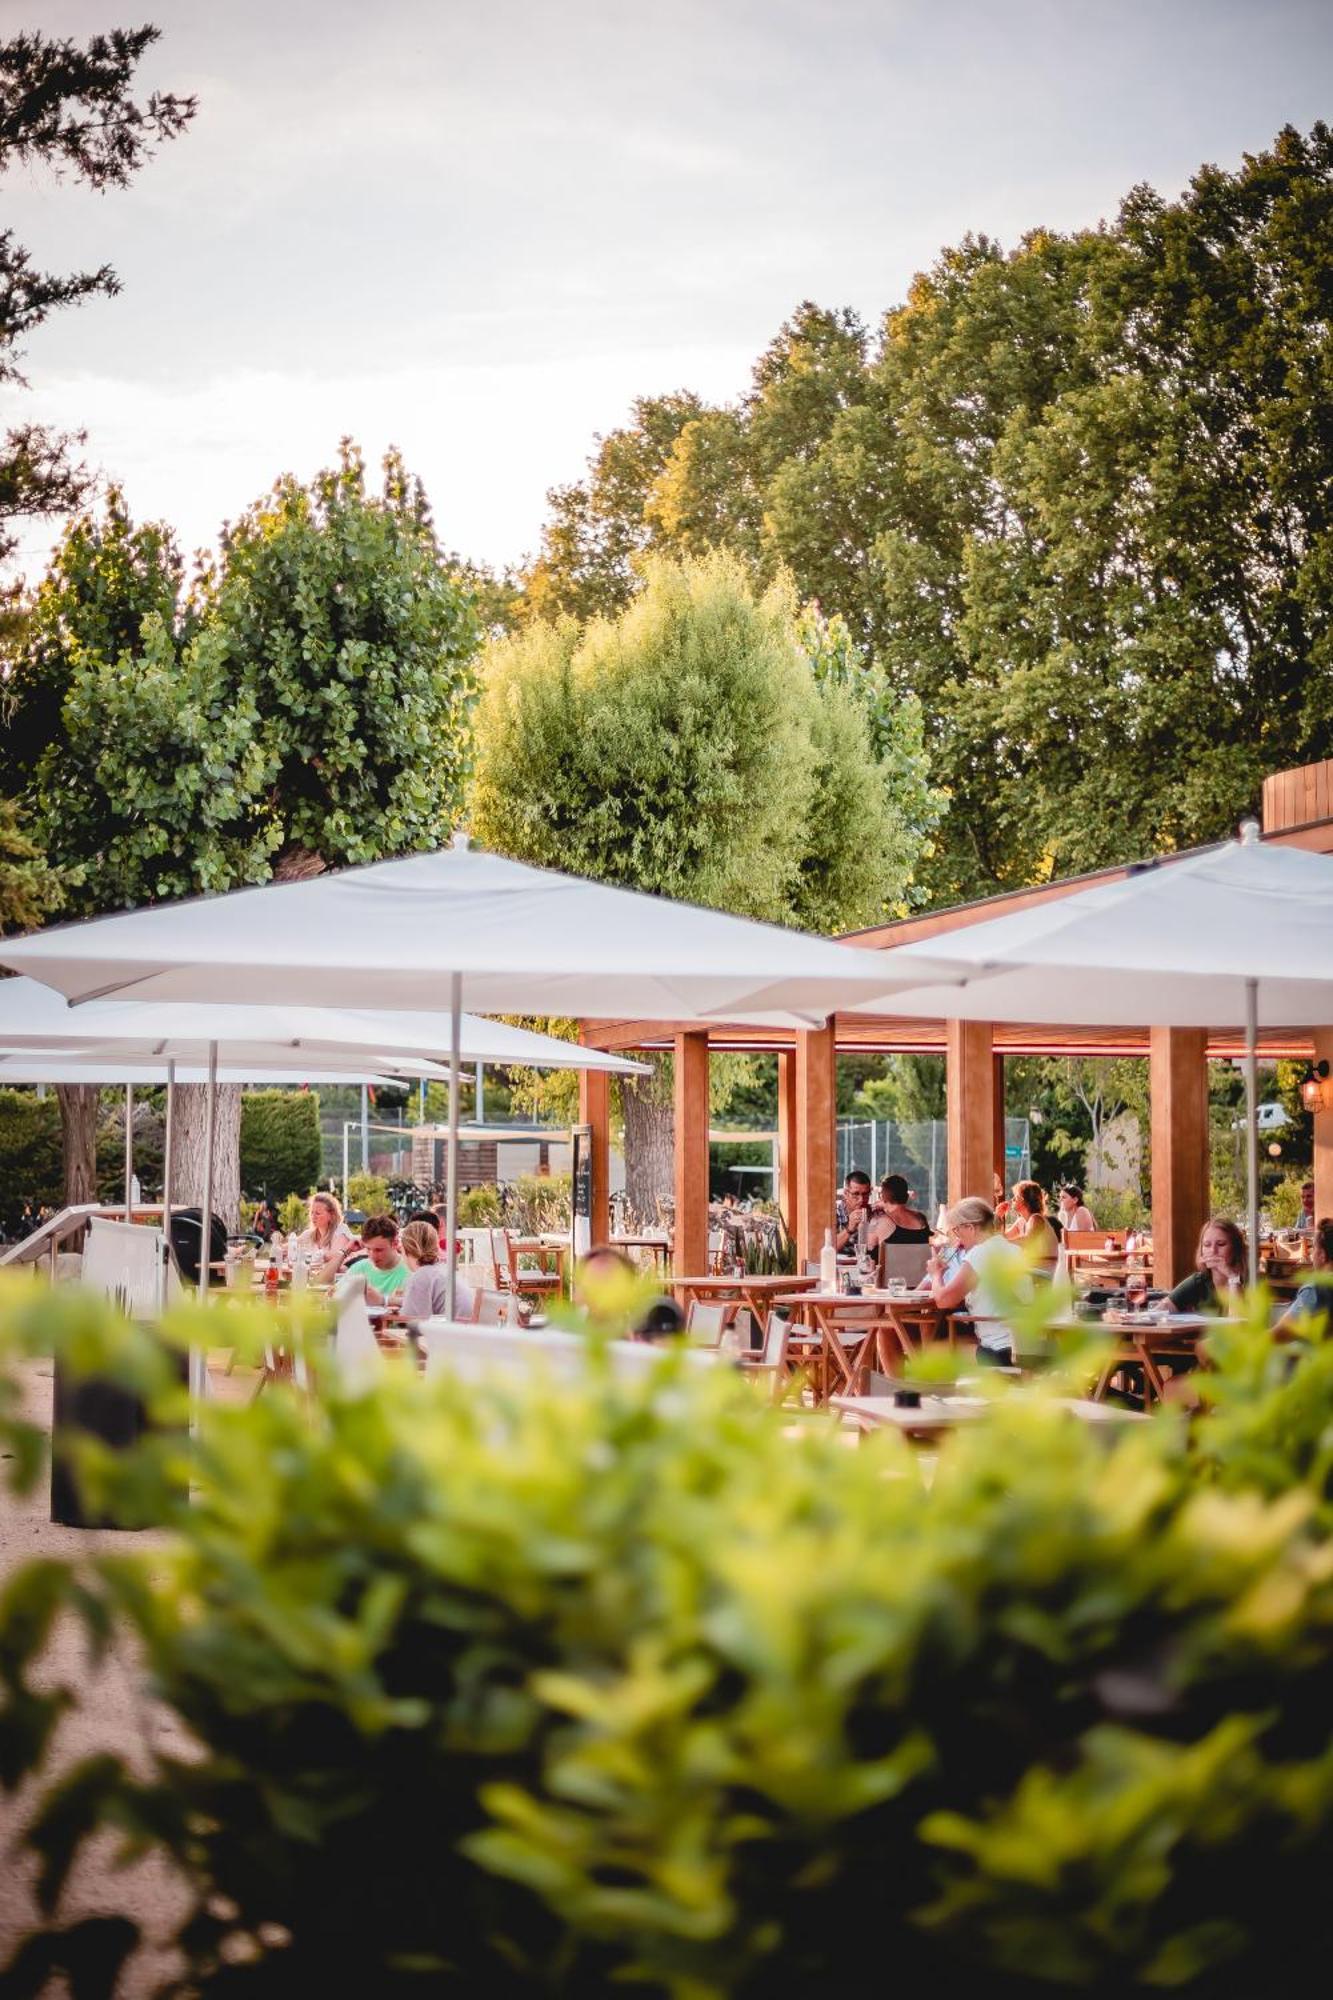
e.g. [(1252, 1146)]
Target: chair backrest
[(716, 1238), (123, 1260), (810, 1268), (907, 1261), (1093, 1239), (777, 1332), (704, 1323), (492, 1308), (355, 1347)]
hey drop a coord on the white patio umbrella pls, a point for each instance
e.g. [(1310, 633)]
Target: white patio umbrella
[(508, 938), (1239, 935)]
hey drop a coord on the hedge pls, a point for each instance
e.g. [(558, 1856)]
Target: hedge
[(280, 1145), (536, 1687)]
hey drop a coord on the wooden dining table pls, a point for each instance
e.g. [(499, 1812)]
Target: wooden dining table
[(755, 1293), (848, 1325), (658, 1247), (1146, 1343)]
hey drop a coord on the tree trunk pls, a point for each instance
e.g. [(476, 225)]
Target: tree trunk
[(650, 1141), (78, 1124), (187, 1172)]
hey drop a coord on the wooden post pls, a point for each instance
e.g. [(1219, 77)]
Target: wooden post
[(997, 1117), (1178, 1088), (691, 1153), (595, 1110), (1323, 1131), (785, 1191), (816, 1138), (969, 1084)]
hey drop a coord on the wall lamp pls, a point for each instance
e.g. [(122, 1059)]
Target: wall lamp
[(1315, 1092)]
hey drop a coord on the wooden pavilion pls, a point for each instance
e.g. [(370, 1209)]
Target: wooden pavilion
[(1297, 810)]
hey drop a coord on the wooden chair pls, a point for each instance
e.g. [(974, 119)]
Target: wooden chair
[(514, 1276), (771, 1360)]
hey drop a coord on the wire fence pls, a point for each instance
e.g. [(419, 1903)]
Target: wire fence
[(919, 1151)]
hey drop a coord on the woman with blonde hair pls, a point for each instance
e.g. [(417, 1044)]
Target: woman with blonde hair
[(325, 1241), (1030, 1225), (990, 1274), (425, 1295)]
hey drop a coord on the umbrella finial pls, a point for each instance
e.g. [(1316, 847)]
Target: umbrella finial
[(1249, 833)]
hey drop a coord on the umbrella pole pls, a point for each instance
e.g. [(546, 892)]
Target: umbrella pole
[(1252, 1121), (168, 1135), (451, 1188), (129, 1152), (199, 1355)]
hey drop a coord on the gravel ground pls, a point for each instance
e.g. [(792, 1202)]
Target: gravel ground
[(113, 1714)]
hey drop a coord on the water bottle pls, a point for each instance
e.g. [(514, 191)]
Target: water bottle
[(828, 1264)]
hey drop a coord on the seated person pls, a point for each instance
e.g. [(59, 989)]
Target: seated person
[(606, 1283), (989, 1269), (1029, 1225), (379, 1260), (1074, 1211), (1312, 1308), (425, 1295), (853, 1209), (325, 1242), (1306, 1222), (894, 1221), (1217, 1283)]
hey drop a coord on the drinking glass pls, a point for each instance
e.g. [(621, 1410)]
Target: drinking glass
[(1136, 1290)]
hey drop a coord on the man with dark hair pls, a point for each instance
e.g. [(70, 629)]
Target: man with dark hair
[(853, 1208), (381, 1263)]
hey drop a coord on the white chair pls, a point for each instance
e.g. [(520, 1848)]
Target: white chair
[(355, 1348), (771, 1359), (705, 1323), (125, 1261), (492, 1308)]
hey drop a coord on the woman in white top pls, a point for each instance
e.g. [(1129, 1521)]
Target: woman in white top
[(1074, 1211), (325, 1242), (991, 1275)]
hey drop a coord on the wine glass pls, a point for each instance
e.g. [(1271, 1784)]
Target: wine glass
[(1136, 1291)]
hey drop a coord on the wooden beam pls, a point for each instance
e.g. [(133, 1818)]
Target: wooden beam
[(1323, 1131), (691, 1166), (785, 1191), (997, 1118), (816, 1139), (1178, 1087), (595, 1110), (969, 1083)]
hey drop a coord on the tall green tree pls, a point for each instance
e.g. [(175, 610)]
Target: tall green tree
[(70, 109), (1075, 498), (304, 703), (690, 748)]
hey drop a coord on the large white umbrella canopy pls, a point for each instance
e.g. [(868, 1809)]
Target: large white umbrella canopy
[(398, 933), (92, 1067), (1234, 936), (33, 1015), (506, 938)]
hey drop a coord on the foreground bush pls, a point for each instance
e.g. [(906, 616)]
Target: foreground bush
[(534, 1688)]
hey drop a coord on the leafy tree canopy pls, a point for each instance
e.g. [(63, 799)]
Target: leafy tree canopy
[(1075, 497), (303, 703), (690, 747), (72, 109)]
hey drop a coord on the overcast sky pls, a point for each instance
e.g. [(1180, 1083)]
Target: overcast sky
[(478, 228)]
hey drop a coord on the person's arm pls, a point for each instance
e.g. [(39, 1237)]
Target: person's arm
[(951, 1293)]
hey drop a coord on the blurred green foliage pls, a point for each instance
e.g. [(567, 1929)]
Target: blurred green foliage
[(540, 1686)]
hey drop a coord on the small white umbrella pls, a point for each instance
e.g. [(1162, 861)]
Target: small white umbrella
[(1231, 936), (508, 938)]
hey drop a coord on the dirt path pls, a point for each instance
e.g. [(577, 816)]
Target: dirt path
[(113, 1713)]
